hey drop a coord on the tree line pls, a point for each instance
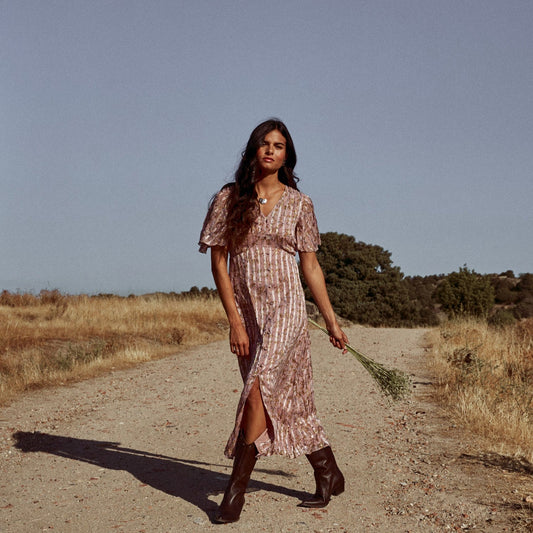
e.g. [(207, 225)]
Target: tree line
[(364, 286)]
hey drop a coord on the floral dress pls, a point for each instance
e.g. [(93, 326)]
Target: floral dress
[(270, 299)]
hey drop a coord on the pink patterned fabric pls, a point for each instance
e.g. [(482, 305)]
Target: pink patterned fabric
[(265, 278)]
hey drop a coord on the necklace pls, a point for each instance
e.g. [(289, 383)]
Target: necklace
[(263, 200)]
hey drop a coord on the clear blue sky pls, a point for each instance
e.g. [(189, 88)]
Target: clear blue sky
[(119, 119)]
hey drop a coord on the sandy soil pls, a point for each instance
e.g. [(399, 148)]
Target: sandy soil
[(141, 451)]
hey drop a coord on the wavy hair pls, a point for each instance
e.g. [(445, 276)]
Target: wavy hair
[(242, 201)]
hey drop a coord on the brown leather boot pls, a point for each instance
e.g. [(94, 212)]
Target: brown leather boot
[(243, 464), (328, 477)]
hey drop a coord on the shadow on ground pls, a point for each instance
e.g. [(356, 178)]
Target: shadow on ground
[(511, 464), (190, 480)]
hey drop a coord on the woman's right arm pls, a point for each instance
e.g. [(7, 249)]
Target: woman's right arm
[(238, 338)]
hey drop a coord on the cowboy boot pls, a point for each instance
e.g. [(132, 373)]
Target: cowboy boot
[(243, 464), (328, 477)]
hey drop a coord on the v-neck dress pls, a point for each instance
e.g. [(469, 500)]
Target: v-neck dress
[(270, 299)]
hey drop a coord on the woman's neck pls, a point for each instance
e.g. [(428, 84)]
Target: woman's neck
[(268, 184)]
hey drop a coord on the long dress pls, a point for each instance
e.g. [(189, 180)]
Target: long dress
[(270, 299)]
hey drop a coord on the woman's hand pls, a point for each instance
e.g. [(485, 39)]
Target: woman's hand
[(238, 340), (337, 337)]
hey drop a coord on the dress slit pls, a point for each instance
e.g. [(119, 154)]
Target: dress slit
[(265, 439)]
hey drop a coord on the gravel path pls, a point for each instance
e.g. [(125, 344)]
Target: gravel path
[(140, 450)]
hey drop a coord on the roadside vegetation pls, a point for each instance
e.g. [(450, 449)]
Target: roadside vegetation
[(52, 338), (485, 379)]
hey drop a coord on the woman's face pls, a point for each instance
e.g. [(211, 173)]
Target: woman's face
[(272, 153)]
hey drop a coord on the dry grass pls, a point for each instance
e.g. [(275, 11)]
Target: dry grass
[(485, 377), (52, 338)]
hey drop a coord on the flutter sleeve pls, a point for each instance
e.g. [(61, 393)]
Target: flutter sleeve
[(214, 228), (307, 235)]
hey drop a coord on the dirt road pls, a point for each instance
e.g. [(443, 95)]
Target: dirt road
[(141, 451)]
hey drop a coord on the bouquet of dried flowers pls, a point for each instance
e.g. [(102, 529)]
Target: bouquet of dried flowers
[(394, 384)]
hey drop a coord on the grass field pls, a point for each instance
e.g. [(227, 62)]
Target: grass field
[(53, 338)]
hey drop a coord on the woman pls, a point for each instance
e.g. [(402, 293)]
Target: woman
[(260, 221)]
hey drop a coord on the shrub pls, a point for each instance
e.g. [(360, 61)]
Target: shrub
[(502, 318), (465, 293)]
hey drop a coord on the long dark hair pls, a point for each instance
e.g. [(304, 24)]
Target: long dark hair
[(242, 204)]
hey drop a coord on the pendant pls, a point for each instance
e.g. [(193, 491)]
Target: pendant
[(262, 201)]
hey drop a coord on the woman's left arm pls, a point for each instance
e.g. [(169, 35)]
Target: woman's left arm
[(314, 277)]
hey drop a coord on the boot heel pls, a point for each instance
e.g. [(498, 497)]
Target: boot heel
[(338, 489)]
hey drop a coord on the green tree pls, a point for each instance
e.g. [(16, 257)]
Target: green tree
[(362, 283), (421, 291), (465, 293), (504, 292)]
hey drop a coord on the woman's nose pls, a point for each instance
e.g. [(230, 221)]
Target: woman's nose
[(269, 149)]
